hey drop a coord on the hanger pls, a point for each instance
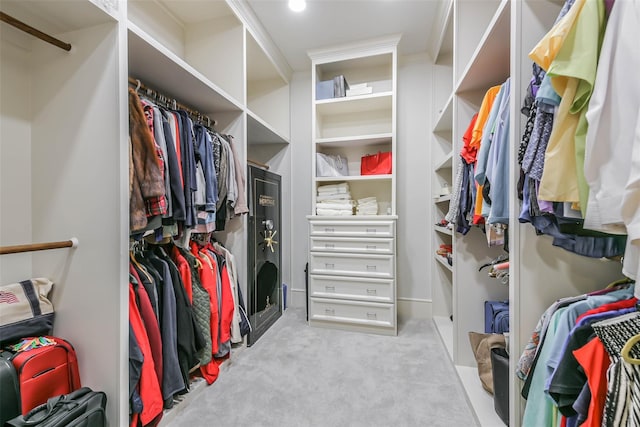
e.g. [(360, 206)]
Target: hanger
[(623, 281), (499, 259), (626, 350)]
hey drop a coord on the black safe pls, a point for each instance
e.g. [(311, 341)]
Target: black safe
[(264, 257)]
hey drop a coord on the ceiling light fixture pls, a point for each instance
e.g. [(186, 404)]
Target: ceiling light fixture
[(297, 5)]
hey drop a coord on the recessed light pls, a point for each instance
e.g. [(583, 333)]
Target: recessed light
[(297, 5)]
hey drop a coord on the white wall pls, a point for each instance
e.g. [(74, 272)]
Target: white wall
[(300, 182), (413, 186), (413, 166), (15, 156)]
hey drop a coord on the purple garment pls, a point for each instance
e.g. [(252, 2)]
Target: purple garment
[(608, 5)]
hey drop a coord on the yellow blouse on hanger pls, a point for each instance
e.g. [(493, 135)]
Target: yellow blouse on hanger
[(547, 49), (572, 74)]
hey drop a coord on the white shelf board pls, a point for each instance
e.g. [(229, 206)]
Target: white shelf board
[(444, 326), (480, 400), (356, 141), (355, 104), (260, 132), (442, 199), (443, 230), (160, 69), (442, 260), (355, 178), (444, 122), (444, 45), (489, 64), (59, 17), (445, 163)]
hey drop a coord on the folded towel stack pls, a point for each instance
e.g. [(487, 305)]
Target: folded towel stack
[(367, 206), (334, 199)]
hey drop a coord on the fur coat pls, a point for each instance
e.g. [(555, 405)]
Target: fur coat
[(145, 177)]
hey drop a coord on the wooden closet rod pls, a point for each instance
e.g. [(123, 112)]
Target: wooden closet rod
[(34, 32), (196, 114), (71, 243), (260, 165)]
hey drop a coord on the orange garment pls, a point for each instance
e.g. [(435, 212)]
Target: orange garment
[(467, 152), (483, 116), (595, 361), (148, 386), (209, 281), (228, 306), (184, 270)]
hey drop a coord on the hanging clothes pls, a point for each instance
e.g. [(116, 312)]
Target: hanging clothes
[(146, 184)]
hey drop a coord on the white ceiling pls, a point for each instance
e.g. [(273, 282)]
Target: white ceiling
[(326, 23)]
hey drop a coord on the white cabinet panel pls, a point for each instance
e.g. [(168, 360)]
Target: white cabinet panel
[(354, 312), (381, 266), (353, 228), (352, 245), (374, 290)]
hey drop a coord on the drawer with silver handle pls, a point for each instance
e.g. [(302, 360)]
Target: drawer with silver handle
[(356, 288), (353, 312), (352, 245), (353, 228), (379, 266)]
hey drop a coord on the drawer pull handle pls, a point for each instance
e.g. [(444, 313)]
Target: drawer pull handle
[(330, 288), (329, 230), (372, 267), (372, 230), (372, 292), (329, 266), (329, 311), (372, 315), (329, 245), (371, 247)]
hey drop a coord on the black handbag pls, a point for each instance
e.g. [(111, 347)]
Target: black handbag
[(80, 408), (500, 370)]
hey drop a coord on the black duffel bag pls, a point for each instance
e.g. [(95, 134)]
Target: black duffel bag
[(80, 408)]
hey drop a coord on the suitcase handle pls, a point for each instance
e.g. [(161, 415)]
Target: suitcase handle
[(42, 412)]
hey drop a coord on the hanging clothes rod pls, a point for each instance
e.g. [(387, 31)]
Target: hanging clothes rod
[(256, 163), (71, 243), (34, 32), (200, 117)]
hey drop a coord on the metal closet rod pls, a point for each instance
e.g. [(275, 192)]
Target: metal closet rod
[(34, 32), (71, 243), (200, 117)]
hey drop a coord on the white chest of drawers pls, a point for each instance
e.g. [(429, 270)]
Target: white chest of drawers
[(352, 274)]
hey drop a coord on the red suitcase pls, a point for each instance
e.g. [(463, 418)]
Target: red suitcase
[(46, 372)]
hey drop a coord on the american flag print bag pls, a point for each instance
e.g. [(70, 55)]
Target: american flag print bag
[(25, 310)]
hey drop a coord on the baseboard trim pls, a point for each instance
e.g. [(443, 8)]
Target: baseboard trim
[(408, 308), (298, 298), (414, 308)]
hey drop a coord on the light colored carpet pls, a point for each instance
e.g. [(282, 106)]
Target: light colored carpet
[(296, 375)]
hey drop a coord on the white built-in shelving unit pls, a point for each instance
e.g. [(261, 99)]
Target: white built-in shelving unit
[(352, 280), (64, 138), (482, 44)]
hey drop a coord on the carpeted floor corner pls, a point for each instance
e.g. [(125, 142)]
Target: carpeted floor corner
[(296, 375)]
